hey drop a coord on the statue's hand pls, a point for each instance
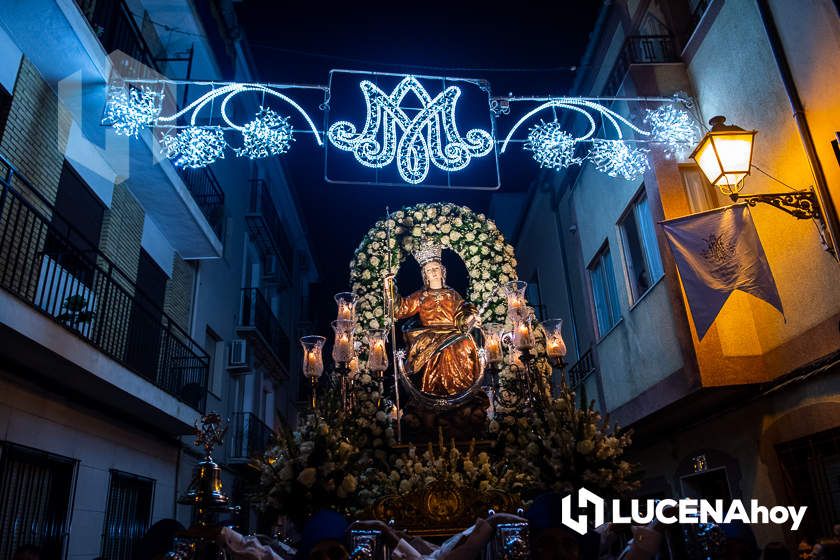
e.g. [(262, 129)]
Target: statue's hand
[(467, 317)]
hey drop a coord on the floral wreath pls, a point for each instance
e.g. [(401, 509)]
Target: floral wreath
[(489, 259)]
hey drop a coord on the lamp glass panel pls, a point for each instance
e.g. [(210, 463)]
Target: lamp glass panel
[(707, 160), (734, 151)]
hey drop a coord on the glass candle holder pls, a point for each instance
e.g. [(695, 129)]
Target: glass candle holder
[(377, 356), (555, 346), (346, 302), (493, 342), (523, 333), (313, 359), (515, 296), (342, 349)]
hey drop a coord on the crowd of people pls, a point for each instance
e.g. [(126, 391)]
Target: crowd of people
[(325, 536)]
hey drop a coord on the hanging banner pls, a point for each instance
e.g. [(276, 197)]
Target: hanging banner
[(718, 252)]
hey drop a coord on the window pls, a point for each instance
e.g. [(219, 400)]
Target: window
[(604, 292), (35, 491), (127, 515), (215, 348), (811, 469), (641, 252), (700, 193)]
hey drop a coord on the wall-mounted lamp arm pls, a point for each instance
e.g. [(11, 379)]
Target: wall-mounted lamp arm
[(802, 205)]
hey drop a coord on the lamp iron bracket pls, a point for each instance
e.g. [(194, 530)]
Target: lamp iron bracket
[(802, 205)]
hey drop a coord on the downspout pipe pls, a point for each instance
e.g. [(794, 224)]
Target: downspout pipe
[(821, 188)]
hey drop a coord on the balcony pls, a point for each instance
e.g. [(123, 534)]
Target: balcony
[(76, 295), (208, 194), (72, 57), (265, 226), (640, 49), (582, 369), (249, 437), (259, 324)]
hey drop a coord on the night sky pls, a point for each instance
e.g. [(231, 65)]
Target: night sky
[(300, 42)]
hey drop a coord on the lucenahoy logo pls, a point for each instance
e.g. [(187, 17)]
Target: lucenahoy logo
[(669, 511)]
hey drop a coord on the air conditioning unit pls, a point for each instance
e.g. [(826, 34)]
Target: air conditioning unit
[(238, 355)]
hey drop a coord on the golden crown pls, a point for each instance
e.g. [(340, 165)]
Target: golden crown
[(427, 252)]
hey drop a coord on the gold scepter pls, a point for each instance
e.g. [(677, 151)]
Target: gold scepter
[(389, 302)]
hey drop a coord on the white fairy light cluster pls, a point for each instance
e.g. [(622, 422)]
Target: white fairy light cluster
[(552, 146), (130, 109), (430, 137), (269, 134), (195, 146), (618, 159), (674, 128)]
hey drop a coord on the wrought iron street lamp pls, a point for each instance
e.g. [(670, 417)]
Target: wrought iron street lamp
[(724, 155)]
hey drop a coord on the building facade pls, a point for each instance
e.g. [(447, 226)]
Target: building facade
[(751, 410), (135, 296)]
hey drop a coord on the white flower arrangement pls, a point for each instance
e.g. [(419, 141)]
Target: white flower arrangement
[(489, 259)]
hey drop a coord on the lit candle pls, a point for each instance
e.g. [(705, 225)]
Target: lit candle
[(346, 303), (378, 359), (555, 346), (313, 362), (343, 344), (523, 337)]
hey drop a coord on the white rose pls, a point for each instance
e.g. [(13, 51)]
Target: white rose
[(374, 324), (446, 228), (416, 231), (455, 236)]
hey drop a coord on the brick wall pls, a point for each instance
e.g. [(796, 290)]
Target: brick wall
[(122, 231), (31, 137), (179, 292)]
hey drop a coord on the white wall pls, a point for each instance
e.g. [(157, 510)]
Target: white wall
[(100, 444)]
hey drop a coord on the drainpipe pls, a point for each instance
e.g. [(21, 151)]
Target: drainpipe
[(821, 188)]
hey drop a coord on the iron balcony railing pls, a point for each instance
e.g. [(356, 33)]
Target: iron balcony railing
[(640, 49), (582, 369), (250, 437), (207, 193), (257, 314), (115, 26), (265, 226), (49, 264)]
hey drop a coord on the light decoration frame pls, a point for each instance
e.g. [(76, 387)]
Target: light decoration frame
[(429, 139), (378, 144)]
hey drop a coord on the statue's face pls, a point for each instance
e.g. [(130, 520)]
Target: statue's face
[(433, 274)]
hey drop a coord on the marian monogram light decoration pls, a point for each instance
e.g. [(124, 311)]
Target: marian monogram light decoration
[(430, 137), (414, 128)]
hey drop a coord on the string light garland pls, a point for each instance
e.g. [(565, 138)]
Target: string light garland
[(675, 129), (415, 138), (441, 145), (131, 109), (618, 159), (269, 134), (195, 146), (552, 146)]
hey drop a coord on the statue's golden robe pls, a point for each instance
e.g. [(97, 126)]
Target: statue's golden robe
[(453, 369)]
